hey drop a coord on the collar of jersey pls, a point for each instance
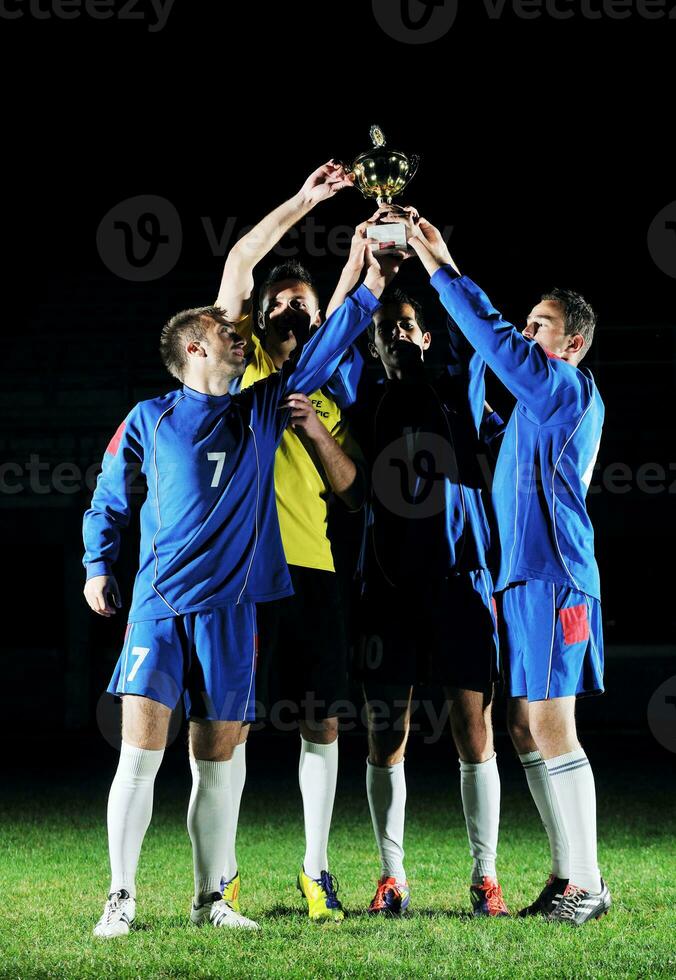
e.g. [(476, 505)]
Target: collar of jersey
[(200, 396)]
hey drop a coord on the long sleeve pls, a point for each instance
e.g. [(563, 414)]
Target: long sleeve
[(545, 386), (110, 509)]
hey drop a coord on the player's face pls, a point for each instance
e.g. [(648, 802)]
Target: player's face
[(289, 311), (227, 348), (546, 326), (398, 338)]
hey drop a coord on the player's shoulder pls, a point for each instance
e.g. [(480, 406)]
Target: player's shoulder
[(151, 409)]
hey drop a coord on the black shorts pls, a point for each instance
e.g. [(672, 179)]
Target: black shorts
[(302, 650), (443, 634)]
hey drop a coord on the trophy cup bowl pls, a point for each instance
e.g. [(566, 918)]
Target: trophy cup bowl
[(383, 173)]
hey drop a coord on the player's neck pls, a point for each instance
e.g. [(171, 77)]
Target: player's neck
[(408, 375), (210, 385)]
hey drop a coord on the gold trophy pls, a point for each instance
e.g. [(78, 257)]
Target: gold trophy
[(384, 173)]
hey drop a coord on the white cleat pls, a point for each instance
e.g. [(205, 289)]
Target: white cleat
[(118, 915), (221, 914)]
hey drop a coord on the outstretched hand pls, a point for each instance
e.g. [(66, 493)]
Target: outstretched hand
[(325, 182), (429, 245)]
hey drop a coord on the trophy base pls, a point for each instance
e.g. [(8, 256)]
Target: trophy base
[(391, 237)]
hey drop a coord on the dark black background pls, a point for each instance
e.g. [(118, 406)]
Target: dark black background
[(546, 144)]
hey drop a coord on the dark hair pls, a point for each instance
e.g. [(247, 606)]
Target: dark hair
[(397, 297), (287, 270), (578, 315), (183, 327)]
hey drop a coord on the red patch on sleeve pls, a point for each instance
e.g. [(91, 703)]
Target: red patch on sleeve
[(575, 624), (552, 357), (114, 443), (495, 609)]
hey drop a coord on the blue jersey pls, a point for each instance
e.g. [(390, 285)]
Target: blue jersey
[(548, 451), (209, 530)]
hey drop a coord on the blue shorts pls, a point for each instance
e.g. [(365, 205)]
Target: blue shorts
[(208, 657), (551, 641)]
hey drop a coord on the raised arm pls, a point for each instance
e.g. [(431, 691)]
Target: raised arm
[(108, 514), (237, 283), (321, 355), (522, 366)]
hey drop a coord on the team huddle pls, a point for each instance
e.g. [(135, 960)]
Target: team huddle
[(237, 597)]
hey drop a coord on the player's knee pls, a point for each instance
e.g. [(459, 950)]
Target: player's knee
[(321, 732), (520, 734)]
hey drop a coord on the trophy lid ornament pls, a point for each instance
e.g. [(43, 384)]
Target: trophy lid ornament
[(382, 172)]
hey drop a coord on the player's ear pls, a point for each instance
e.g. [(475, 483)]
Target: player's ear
[(575, 343), (373, 350), (426, 340), (195, 349), (316, 320), (261, 321)]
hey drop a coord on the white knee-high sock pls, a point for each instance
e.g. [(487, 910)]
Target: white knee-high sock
[(237, 781), (541, 790), (480, 791), (130, 807), (209, 820), (317, 776), (386, 791), (573, 784)]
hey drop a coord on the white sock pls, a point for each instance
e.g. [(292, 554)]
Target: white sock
[(209, 820), (386, 791), (317, 776), (237, 780), (480, 791), (573, 784), (540, 788), (130, 807)]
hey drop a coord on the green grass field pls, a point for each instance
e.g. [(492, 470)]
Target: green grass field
[(53, 876)]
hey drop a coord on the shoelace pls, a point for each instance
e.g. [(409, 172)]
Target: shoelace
[(494, 899), (570, 902), (113, 904), (330, 885)]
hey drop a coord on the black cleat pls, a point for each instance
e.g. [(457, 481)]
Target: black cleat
[(548, 899), (578, 905)]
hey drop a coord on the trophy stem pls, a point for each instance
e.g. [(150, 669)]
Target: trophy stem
[(386, 199)]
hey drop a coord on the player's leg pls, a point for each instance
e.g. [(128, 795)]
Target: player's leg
[(389, 721), (556, 632), (471, 725), (148, 677), (553, 726), (541, 790), (231, 883), (220, 699), (318, 683)]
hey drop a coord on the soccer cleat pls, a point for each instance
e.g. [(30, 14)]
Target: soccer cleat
[(322, 900), (230, 891), (548, 899), (220, 914), (578, 905), (118, 915), (487, 899), (392, 897)]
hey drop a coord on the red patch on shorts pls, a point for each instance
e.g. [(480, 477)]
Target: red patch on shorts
[(114, 443), (575, 624)]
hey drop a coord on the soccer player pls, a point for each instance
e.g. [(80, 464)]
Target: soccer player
[(302, 639), (427, 613), (548, 579), (210, 549)]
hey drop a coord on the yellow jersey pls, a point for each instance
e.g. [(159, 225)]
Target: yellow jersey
[(301, 489)]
